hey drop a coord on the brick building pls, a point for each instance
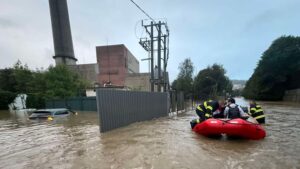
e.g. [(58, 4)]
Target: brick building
[(115, 63)]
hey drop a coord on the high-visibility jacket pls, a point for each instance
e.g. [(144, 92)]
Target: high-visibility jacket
[(256, 111), (208, 107)]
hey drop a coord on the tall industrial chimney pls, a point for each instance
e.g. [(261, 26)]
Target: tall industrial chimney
[(62, 37)]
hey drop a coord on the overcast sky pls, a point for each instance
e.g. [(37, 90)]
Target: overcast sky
[(231, 32)]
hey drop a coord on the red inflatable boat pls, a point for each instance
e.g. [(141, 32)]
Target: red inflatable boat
[(235, 127)]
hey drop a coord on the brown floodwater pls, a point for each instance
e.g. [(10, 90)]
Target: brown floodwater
[(158, 144)]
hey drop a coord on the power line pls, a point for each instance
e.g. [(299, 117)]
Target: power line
[(142, 10)]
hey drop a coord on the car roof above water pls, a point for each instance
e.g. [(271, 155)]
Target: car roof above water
[(51, 110)]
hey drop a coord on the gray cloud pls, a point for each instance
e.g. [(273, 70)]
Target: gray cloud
[(6, 23), (234, 33)]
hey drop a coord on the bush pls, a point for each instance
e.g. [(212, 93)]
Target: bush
[(35, 101), (6, 98)]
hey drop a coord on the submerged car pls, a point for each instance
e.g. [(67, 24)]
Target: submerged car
[(50, 113)]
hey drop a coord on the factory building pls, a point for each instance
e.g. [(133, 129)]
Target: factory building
[(116, 66), (115, 63)]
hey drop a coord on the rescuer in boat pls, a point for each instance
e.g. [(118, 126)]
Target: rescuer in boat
[(208, 109), (257, 112), (233, 110)]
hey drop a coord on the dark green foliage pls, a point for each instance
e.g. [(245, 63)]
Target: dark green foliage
[(23, 77), (293, 80), (277, 70), (7, 80), (184, 81), (35, 100), (209, 83), (62, 83), (212, 82), (173, 85), (6, 97), (16, 79), (55, 83)]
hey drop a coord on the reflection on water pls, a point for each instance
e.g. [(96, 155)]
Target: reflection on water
[(163, 143), (242, 102)]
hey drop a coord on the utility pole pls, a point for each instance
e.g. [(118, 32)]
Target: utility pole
[(159, 80), (148, 45), (152, 58), (161, 37), (165, 64)]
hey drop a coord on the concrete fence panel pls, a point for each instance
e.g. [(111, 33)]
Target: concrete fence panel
[(180, 100), (119, 108)]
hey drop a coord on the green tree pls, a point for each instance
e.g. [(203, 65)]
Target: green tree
[(61, 82), (16, 79), (212, 82), (7, 87), (23, 77), (277, 70), (56, 82), (6, 97), (37, 96), (184, 81), (7, 80)]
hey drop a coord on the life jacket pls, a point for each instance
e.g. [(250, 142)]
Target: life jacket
[(256, 111), (208, 107), (233, 112)]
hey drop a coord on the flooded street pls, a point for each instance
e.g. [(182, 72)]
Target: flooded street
[(162, 143)]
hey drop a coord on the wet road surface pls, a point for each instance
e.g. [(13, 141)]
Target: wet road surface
[(162, 143)]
